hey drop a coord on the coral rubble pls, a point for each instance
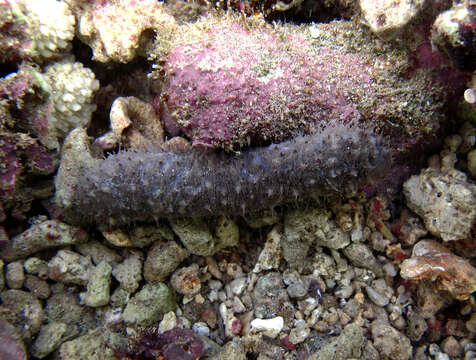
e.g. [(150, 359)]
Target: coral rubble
[(245, 201)]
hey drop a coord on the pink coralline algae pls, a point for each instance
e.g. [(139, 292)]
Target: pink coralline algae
[(12, 346), (20, 157), (230, 84), (10, 166), (174, 344)]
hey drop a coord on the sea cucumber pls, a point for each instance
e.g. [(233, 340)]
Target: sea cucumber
[(142, 186)]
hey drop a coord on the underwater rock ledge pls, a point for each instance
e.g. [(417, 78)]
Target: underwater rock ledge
[(144, 186)]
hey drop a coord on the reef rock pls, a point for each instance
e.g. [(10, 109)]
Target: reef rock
[(117, 30), (431, 260), (446, 201), (40, 236), (231, 83), (35, 29), (388, 17)]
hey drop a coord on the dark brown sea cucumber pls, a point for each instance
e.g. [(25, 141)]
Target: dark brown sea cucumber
[(144, 186)]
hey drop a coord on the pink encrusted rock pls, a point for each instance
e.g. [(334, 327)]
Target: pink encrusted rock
[(12, 347), (117, 30), (431, 260), (231, 84), (20, 158), (11, 167), (237, 86)]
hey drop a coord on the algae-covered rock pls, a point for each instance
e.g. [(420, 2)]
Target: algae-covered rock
[(232, 350), (162, 260), (129, 272), (269, 295), (360, 255), (22, 310), (347, 345), (303, 227), (49, 339), (99, 285), (98, 252), (15, 275), (197, 237), (63, 306), (92, 346), (232, 83), (40, 236), (69, 267), (390, 342), (271, 255), (149, 304), (75, 157), (445, 201)]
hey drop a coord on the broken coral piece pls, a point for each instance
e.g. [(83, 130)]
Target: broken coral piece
[(118, 30), (431, 260), (444, 200), (134, 124)]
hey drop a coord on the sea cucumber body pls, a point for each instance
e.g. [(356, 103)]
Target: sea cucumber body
[(143, 186)]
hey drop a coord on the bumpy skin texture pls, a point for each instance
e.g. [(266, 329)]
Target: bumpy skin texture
[(132, 186)]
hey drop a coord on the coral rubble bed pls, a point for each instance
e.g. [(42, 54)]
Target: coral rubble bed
[(237, 180)]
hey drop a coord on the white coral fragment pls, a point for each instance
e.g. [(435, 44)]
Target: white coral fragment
[(70, 87), (50, 25)]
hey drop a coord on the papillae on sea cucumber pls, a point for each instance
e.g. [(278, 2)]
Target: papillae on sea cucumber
[(143, 186)]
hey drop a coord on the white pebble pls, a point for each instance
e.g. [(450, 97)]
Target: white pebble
[(201, 329), (470, 96), (272, 327)]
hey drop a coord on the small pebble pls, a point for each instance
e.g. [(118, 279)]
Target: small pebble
[(201, 329), (186, 281), (169, 321), (271, 327), (299, 334), (15, 275), (35, 266), (238, 285), (452, 347)]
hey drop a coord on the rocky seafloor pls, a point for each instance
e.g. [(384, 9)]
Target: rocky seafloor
[(249, 179)]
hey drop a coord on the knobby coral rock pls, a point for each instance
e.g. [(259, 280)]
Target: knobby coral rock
[(69, 88), (33, 29), (431, 260)]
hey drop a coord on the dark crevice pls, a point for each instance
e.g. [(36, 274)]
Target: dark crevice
[(308, 11), (8, 68), (116, 80)]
